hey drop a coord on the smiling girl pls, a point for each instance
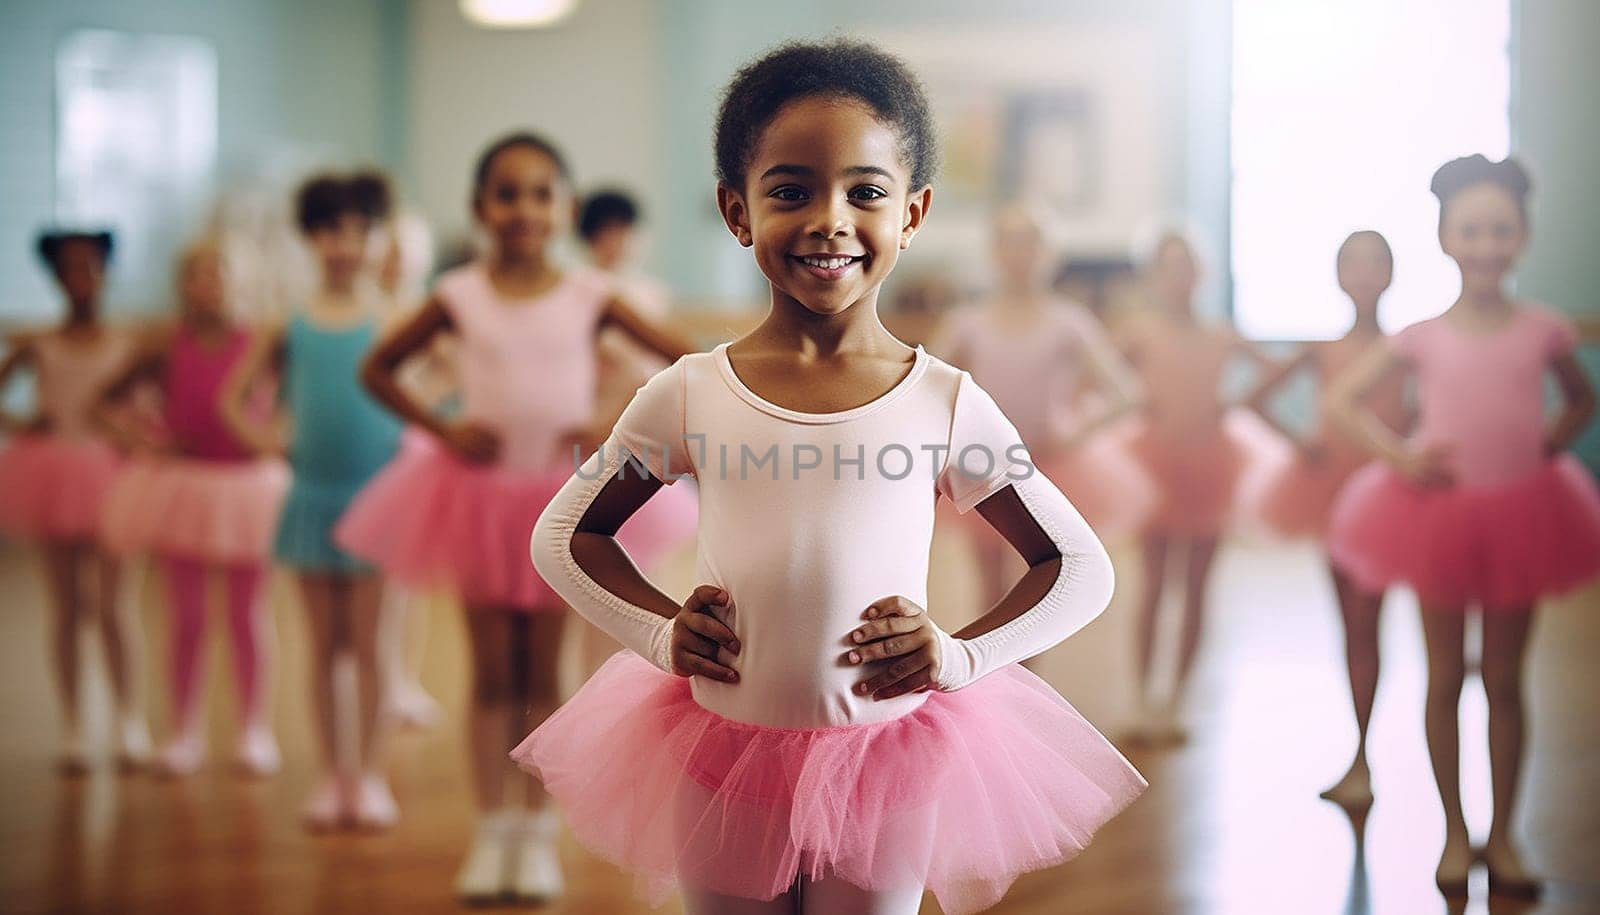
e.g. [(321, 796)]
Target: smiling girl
[(1481, 507), (797, 735), (457, 511)]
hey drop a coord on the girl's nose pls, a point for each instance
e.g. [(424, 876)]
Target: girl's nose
[(832, 219)]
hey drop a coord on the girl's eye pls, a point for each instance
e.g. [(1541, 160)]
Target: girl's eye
[(506, 194), (869, 192), (788, 192)]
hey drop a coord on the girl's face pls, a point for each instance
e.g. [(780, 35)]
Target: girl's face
[(827, 204), (523, 203), (1019, 249), (81, 272), (612, 247), (1483, 231), (202, 287), (1364, 269), (342, 248), (1174, 273)]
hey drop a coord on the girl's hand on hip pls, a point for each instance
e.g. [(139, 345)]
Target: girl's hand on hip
[(702, 644), (899, 632), (1428, 466)]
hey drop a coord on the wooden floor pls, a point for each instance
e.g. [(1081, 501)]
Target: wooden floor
[(1231, 823)]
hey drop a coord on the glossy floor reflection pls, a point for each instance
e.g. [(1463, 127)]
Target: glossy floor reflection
[(1231, 824)]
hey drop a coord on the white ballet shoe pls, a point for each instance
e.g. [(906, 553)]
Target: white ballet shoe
[(375, 807), (536, 874), (484, 875), (410, 706), (257, 753), (133, 743), (182, 757)]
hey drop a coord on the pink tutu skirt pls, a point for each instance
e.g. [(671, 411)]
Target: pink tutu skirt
[(1194, 478), (431, 519), (1104, 482), (222, 512), (1296, 496), (53, 489), (961, 795), (1504, 546)]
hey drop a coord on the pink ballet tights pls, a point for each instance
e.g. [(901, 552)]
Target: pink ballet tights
[(186, 581)]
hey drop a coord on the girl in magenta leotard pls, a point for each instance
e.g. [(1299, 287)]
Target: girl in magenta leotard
[(1480, 508), (205, 504)]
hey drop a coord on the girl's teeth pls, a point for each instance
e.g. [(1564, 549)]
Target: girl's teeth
[(827, 263)]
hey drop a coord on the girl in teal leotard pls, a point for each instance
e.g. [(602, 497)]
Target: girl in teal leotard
[(341, 437)]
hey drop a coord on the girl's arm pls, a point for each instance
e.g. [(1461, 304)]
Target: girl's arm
[(1344, 405), (574, 544), (1069, 582), (147, 364), (575, 549), (380, 373), (266, 350), (652, 336), (1259, 399), (1579, 408), (21, 354), (1111, 374)]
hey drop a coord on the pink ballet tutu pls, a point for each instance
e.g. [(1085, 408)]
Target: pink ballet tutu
[(1194, 478), (1296, 496), (431, 519), (1504, 546), (1104, 482), (53, 489), (223, 512), (662, 524), (961, 795)]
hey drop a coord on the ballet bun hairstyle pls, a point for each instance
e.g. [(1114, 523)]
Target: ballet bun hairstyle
[(522, 139), (1457, 175), (840, 69), (50, 242), (325, 199)]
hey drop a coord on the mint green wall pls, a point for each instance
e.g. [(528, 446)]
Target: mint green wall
[(1556, 133), (298, 75)]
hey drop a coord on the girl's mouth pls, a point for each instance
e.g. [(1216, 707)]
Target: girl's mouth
[(828, 266)]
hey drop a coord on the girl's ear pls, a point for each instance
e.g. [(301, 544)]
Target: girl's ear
[(735, 214), (917, 205)]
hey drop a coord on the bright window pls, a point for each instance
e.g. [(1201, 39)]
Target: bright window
[(1341, 113)]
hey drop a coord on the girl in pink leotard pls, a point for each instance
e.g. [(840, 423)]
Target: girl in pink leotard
[(797, 736), (456, 510), (53, 479), (1297, 496), (1052, 368), (206, 505), (1194, 446), (1481, 507)]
